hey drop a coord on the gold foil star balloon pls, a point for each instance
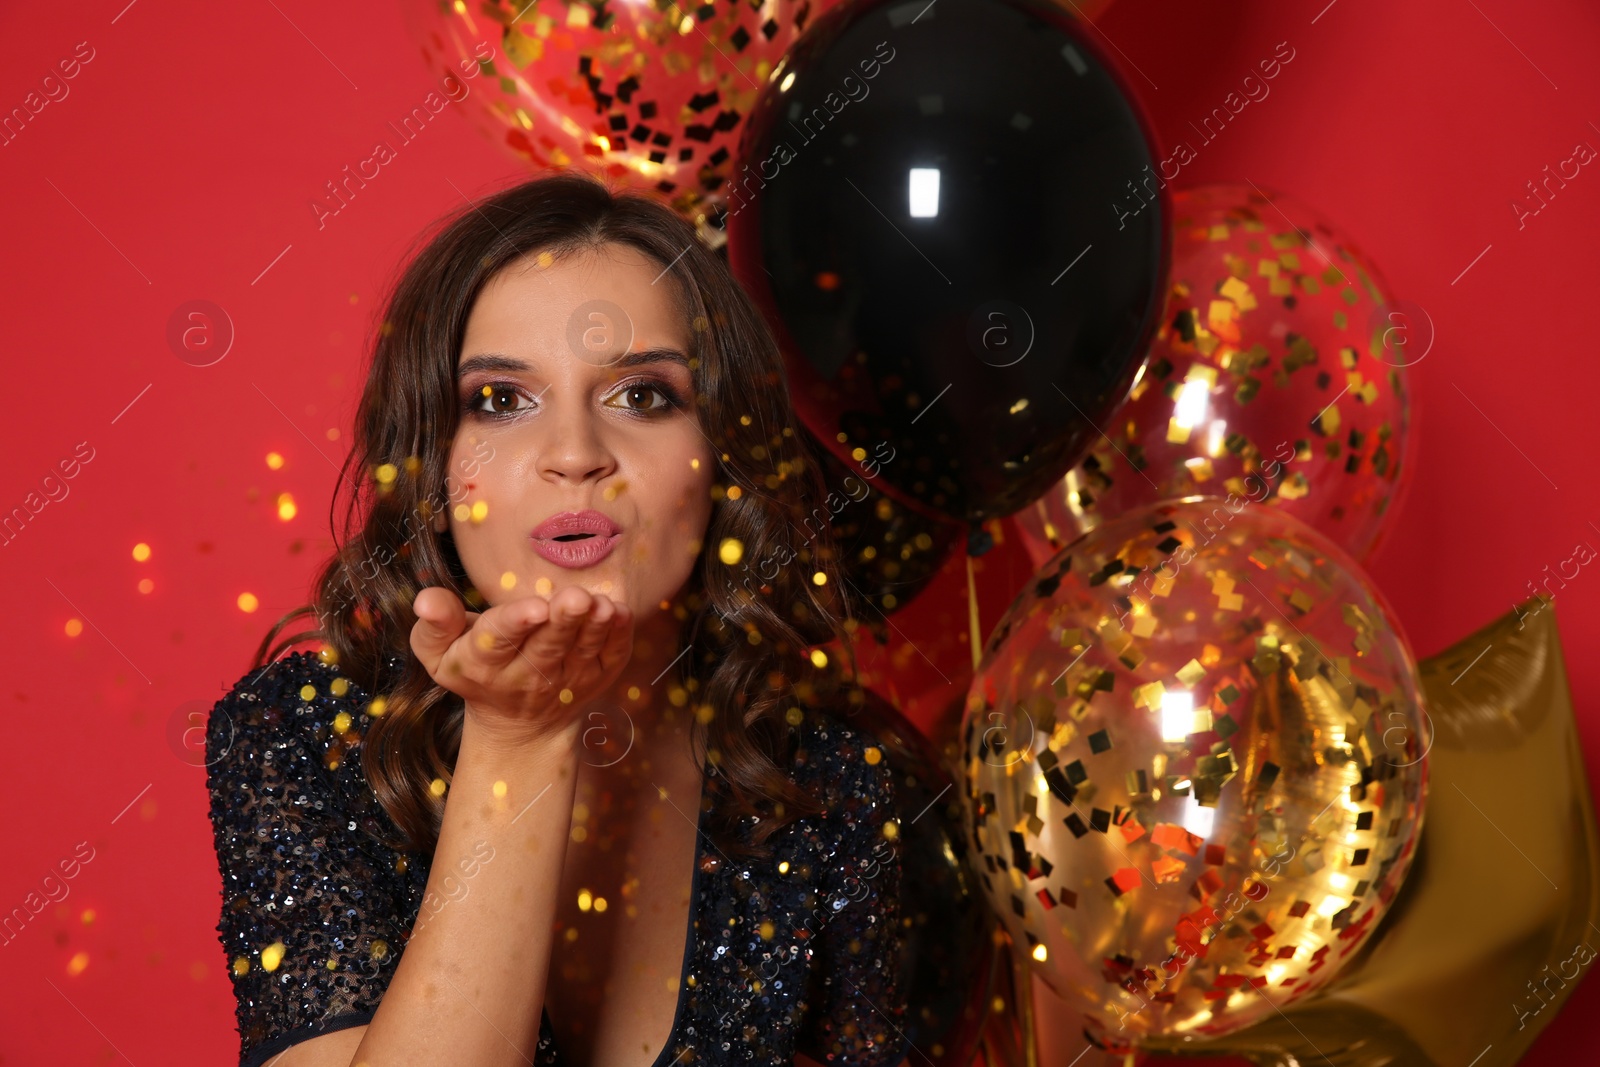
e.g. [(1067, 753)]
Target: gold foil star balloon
[(1496, 925), (1196, 761)]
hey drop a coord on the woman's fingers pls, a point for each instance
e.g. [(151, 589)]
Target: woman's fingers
[(574, 640), (618, 646), (551, 642), (440, 619), (591, 635), (499, 633)]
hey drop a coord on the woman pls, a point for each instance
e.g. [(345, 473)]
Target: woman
[(563, 783)]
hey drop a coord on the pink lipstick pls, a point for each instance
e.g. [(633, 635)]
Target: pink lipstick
[(576, 539)]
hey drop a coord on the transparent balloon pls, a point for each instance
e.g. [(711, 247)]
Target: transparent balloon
[(1196, 762), (651, 96), (1280, 375)]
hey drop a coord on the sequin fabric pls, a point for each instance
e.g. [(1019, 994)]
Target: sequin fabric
[(794, 953)]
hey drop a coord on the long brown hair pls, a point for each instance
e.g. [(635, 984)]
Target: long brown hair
[(750, 633)]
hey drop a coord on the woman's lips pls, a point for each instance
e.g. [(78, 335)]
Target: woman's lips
[(576, 539), (577, 553)]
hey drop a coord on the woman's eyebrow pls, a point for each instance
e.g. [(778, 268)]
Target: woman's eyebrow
[(649, 355), (494, 361), (490, 361)]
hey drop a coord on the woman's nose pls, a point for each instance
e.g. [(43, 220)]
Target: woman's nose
[(572, 445)]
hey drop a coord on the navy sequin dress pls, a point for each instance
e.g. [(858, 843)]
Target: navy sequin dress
[(316, 909)]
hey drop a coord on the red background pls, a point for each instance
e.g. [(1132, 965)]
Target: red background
[(182, 164)]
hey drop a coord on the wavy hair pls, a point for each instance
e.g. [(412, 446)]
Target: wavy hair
[(751, 635)]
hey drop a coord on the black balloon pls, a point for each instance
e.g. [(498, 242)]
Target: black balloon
[(938, 206), (888, 553)]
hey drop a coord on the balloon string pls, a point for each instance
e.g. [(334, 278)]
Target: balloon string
[(1024, 988), (973, 631)]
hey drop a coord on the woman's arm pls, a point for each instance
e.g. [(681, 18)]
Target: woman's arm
[(469, 988)]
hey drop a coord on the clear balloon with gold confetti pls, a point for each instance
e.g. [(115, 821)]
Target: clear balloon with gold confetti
[(1196, 764), (651, 96), (1278, 376)]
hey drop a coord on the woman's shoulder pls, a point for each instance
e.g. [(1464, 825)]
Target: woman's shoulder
[(300, 693), (296, 719), (843, 758)]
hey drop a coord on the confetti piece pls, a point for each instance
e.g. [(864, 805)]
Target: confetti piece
[(1191, 674)]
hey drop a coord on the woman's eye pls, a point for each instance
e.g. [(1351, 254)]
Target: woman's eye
[(497, 400), (637, 397)]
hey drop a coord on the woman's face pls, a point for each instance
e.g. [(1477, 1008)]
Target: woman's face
[(576, 396)]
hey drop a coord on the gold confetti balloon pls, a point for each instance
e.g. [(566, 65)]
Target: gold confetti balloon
[(651, 95), (1279, 375), (1196, 762)]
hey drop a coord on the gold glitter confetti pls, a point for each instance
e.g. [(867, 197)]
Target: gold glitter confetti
[(508, 580), (731, 550), (271, 956), (1191, 673), (308, 692), (1237, 291), (543, 586), (819, 658), (1222, 588), (436, 787), (873, 754), (341, 722), (499, 789), (1149, 696), (274, 461), (248, 602), (377, 707)]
